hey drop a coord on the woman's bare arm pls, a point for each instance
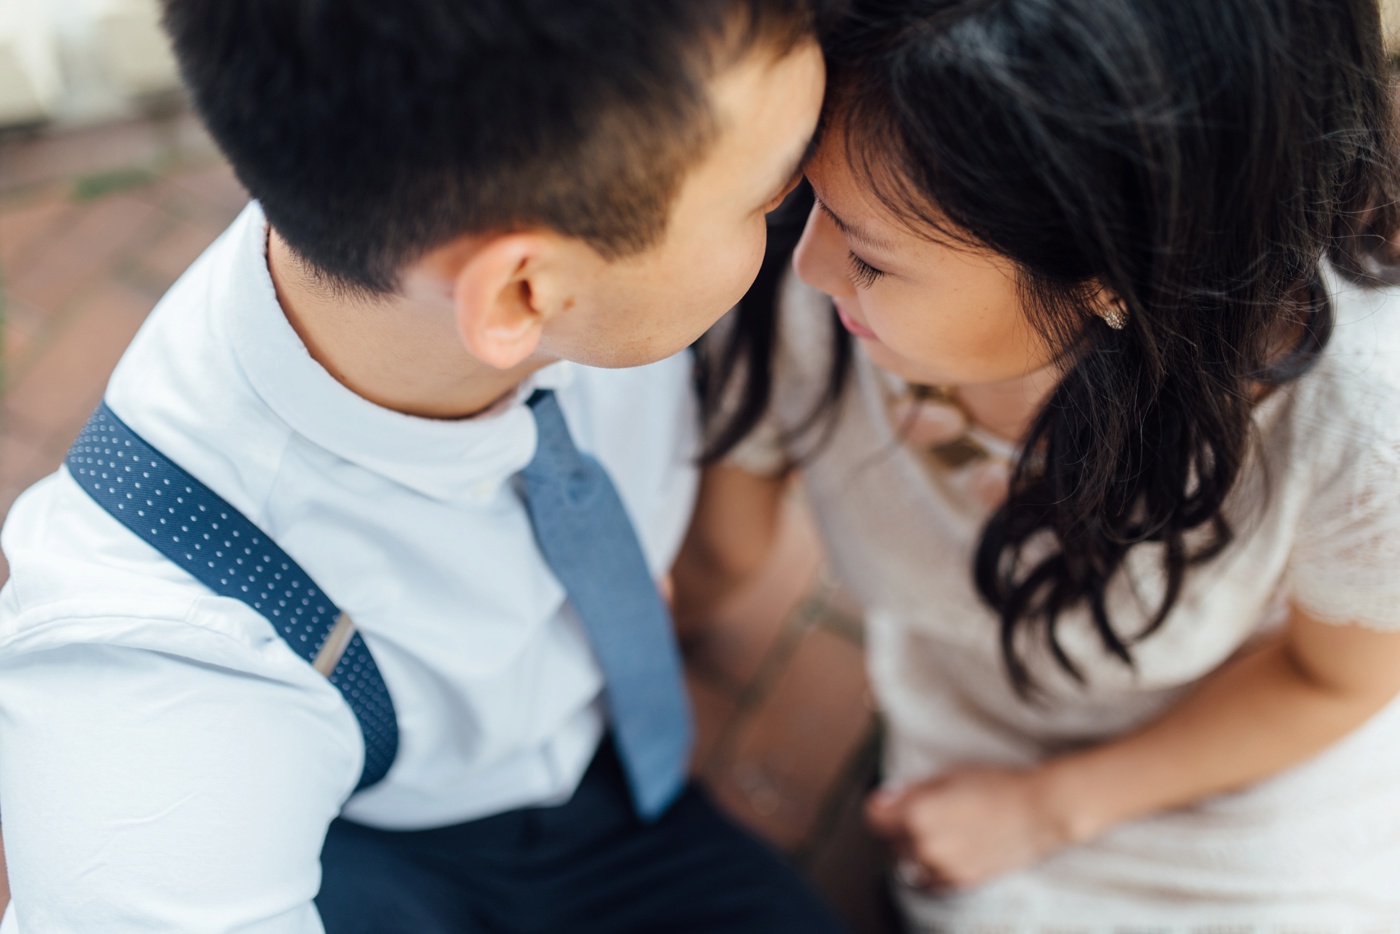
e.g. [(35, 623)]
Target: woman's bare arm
[(1254, 717), (732, 533), (1262, 713)]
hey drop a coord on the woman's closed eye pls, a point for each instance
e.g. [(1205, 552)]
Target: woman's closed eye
[(863, 274)]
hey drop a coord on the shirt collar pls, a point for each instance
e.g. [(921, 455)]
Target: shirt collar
[(444, 459)]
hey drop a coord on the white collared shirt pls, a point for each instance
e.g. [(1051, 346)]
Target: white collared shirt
[(166, 761)]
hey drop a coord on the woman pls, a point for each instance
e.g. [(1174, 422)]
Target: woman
[(1105, 436)]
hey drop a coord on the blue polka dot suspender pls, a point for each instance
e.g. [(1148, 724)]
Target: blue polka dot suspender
[(197, 529)]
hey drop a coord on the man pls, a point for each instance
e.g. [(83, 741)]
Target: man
[(395, 377)]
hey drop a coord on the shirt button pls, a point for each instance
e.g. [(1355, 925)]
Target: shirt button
[(483, 491)]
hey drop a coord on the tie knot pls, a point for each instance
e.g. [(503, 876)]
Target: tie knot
[(558, 463), (556, 455)]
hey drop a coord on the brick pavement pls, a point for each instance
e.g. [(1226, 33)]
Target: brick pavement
[(96, 225)]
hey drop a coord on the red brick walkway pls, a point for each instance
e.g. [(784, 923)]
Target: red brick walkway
[(95, 226)]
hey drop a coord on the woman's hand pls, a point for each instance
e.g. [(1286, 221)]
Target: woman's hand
[(969, 826), (1268, 709)]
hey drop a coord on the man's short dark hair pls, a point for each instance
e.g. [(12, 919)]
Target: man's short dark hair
[(375, 130)]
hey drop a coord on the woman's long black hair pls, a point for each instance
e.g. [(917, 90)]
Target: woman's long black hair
[(1199, 159)]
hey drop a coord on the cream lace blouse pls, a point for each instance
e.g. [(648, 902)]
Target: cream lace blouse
[(1317, 522)]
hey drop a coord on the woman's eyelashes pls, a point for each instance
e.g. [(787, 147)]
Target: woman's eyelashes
[(863, 274)]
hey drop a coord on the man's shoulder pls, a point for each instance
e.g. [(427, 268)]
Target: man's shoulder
[(75, 572), (79, 577), (181, 384)]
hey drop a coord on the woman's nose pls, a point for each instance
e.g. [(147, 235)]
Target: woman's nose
[(820, 258)]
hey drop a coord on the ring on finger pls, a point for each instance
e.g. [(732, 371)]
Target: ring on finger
[(912, 874)]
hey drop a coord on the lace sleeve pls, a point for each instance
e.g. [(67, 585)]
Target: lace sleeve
[(1345, 565)]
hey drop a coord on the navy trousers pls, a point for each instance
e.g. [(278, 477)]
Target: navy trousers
[(585, 867)]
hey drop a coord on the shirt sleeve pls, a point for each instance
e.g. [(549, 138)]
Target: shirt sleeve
[(1345, 566), (146, 792)]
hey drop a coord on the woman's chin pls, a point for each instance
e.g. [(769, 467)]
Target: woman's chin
[(911, 371)]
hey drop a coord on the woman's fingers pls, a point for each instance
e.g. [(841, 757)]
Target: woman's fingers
[(889, 815), (885, 813), (914, 874)]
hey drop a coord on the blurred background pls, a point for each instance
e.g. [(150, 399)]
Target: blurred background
[(109, 189)]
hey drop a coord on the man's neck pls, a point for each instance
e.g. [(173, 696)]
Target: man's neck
[(399, 354)]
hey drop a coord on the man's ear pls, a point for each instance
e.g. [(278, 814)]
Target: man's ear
[(500, 307)]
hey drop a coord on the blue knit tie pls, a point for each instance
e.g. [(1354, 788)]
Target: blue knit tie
[(584, 533)]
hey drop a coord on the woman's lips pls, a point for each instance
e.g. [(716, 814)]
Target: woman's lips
[(855, 327)]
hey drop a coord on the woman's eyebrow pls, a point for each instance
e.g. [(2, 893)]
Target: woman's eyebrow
[(851, 230)]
